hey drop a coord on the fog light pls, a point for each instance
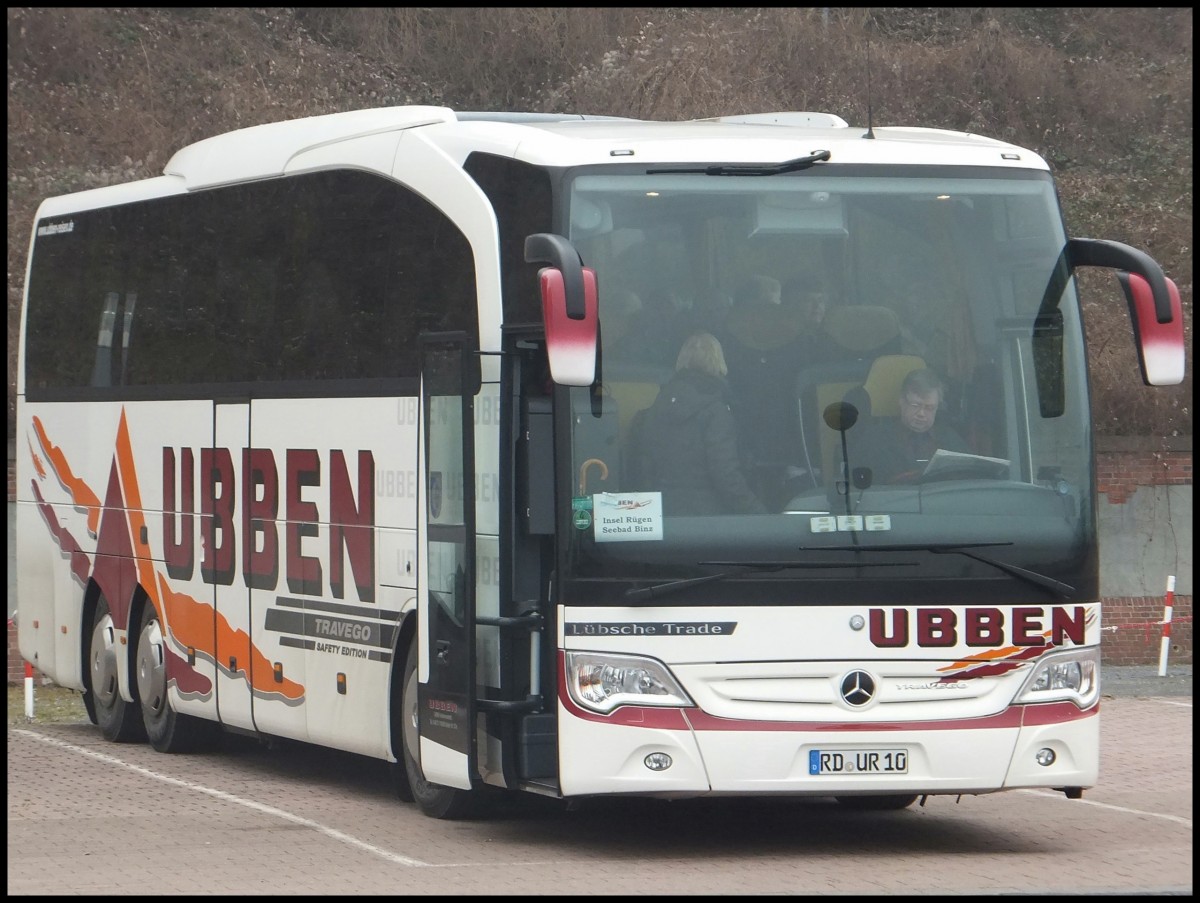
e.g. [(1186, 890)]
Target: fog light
[(1045, 756), (658, 761)]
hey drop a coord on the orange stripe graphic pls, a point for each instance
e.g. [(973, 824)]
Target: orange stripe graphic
[(192, 625), (37, 461), (137, 520), (1007, 651), (187, 620), (81, 493)]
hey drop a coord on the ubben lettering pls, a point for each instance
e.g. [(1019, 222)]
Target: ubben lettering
[(348, 506), (979, 627)]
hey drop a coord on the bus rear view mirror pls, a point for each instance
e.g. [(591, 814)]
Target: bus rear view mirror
[(569, 308), (570, 343), (1160, 345)]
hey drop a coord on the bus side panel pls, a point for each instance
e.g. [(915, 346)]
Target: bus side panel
[(487, 578), (93, 510), (66, 462), (238, 665), (49, 596), (158, 450), (326, 608)]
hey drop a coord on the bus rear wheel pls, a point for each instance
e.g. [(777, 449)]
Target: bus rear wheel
[(435, 800), (118, 720), (882, 803), (89, 706), (167, 730)]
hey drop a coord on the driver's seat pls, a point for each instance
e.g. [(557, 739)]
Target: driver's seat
[(883, 382)]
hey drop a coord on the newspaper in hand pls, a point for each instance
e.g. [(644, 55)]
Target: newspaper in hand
[(960, 465)]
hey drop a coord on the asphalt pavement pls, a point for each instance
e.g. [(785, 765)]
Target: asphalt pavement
[(1143, 680)]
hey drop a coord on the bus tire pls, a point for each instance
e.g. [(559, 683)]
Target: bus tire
[(435, 800), (118, 720), (89, 705), (167, 730), (882, 803), (398, 768)]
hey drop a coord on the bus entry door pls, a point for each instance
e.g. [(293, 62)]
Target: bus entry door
[(446, 586)]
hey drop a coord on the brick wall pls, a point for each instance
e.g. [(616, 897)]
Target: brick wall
[(1132, 636), (16, 665), (1120, 472)]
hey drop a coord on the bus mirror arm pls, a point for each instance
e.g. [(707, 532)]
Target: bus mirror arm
[(546, 247), (1097, 252)]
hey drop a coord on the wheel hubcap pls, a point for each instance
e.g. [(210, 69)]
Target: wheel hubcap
[(151, 669), (104, 662)]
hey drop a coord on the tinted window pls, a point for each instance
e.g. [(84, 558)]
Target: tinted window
[(521, 196), (329, 276)]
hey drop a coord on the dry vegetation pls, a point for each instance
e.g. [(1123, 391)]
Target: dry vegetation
[(98, 96), (51, 705)]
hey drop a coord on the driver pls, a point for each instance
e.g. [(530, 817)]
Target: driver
[(897, 450)]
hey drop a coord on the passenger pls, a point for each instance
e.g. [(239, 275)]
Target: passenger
[(757, 323), (707, 314), (765, 350), (897, 449), (685, 444), (809, 304), (619, 308), (653, 331), (757, 289)]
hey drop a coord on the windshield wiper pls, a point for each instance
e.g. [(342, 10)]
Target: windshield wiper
[(961, 548), (744, 567), (770, 169)]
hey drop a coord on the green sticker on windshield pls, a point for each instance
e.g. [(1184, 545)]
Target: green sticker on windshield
[(583, 520)]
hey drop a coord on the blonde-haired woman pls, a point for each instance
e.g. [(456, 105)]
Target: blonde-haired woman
[(685, 445)]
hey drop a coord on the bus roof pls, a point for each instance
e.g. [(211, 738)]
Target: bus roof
[(737, 142), (551, 139), (575, 139)]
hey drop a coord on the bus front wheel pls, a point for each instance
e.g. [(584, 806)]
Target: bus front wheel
[(435, 800)]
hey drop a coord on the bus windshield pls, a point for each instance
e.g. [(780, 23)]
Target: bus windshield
[(824, 386)]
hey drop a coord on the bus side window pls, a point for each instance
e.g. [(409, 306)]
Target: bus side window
[(103, 366)]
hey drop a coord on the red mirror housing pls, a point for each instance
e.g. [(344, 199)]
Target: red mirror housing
[(1160, 345), (570, 344)]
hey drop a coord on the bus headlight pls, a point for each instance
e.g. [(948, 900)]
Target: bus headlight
[(600, 682), (1073, 676)]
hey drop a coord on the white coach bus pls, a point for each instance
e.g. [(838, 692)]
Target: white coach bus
[(330, 433)]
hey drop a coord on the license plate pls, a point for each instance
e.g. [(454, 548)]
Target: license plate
[(858, 761)]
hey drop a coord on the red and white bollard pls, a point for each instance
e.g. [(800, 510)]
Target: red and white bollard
[(1166, 628), (29, 691)]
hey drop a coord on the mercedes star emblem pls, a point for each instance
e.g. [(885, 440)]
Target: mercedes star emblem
[(858, 688)]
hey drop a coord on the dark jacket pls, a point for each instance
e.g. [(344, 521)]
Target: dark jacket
[(896, 454), (685, 446)]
